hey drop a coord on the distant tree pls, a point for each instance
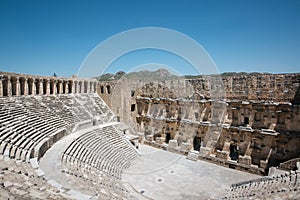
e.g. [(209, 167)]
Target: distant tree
[(119, 74), (54, 74)]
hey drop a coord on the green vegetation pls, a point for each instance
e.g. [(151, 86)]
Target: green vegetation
[(163, 74)]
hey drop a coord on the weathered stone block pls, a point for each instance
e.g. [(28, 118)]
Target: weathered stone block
[(263, 164), (7, 184), (222, 154), (185, 146), (245, 160), (160, 140), (193, 155), (34, 163), (173, 144), (39, 172), (149, 138), (204, 151)]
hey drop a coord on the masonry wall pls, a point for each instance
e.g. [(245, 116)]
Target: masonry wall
[(256, 126)]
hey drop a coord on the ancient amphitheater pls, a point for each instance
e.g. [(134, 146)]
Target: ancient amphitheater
[(73, 138)]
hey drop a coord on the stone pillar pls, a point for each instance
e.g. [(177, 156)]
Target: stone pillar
[(88, 87), (47, 87), (59, 86), (79, 87), (36, 87), (28, 86), (25, 87), (40, 86), (54, 87), (91, 87), (67, 87), (95, 87), (9, 92), (82, 87), (33, 87), (1, 87), (74, 87), (18, 87)]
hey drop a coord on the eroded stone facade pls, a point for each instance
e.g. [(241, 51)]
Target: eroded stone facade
[(254, 126)]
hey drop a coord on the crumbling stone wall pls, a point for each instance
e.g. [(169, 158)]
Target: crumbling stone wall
[(255, 126), (266, 87)]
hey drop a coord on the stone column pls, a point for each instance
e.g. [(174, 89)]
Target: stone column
[(88, 87), (91, 87), (36, 87), (53, 87), (59, 86), (25, 87), (48, 87), (80, 87), (74, 87), (18, 87), (40, 87), (29, 85), (94, 87), (33, 87), (1, 87), (67, 87), (9, 93)]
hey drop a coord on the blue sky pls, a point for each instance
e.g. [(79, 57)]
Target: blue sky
[(43, 37)]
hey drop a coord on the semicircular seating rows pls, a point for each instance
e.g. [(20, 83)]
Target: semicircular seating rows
[(282, 186), (26, 121), (105, 150)]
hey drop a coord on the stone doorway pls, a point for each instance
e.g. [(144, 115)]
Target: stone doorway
[(234, 152), (246, 121), (168, 137), (197, 143)]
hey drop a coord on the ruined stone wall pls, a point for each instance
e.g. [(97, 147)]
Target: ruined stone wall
[(266, 87), (12, 84), (261, 134), (257, 125)]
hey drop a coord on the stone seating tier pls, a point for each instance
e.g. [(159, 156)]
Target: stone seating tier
[(27, 120)]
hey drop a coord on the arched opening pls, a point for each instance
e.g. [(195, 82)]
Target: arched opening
[(13, 86), (70, 84), (234, 152), (79, 87), (85, 87), (95, 87), (37, 86), (197, 143), (45, 86), (64, 87), (51, 86), (132, 109), (168, 137), (101, 89), (75, 87), (30, 86), (5, 86), (196, 116), (246, 121), (108, 89), (91, 87), (58, 87), (22, 86)]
